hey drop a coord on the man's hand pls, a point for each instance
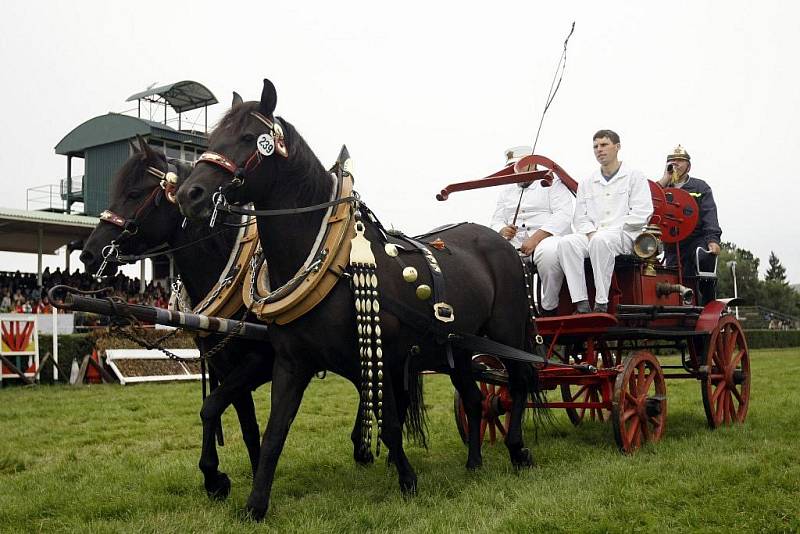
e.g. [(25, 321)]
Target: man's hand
[(666, 178), (508, 231), (530, 244), (714, 248)]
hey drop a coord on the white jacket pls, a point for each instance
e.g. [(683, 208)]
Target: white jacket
[(623, 203), (548, 208)]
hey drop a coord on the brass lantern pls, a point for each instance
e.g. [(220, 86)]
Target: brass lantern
[(647, 246)]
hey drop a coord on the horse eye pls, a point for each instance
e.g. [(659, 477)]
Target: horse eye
[(248, 138), (133, 195)]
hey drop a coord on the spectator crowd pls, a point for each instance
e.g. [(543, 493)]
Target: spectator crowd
[(20, 292)]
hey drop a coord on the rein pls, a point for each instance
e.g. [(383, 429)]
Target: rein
[(229, 208), (160, 250)]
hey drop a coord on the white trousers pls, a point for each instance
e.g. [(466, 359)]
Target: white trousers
[(545, 257), (601, 250)]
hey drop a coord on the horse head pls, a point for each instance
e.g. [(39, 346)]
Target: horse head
[(141, 212), (248, 142)]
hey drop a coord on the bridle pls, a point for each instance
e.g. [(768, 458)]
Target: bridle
[(167, 186), (266, 144)]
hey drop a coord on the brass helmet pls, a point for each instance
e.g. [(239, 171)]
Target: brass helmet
[(679, 153), (516, 153)]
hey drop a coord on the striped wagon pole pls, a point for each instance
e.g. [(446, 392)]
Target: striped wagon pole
[(151, 314)]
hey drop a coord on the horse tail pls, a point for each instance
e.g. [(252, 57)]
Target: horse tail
[(541, 415), (416, 417)]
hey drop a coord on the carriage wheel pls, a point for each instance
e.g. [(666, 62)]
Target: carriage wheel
[(494, 418), (639, 409), (726, 376), (584, 393), (587, 392)]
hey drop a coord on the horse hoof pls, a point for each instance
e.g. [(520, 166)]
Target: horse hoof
[(255, 513), (220, 488), (474, 464), (363, 456), (408, 486), (522, 459)]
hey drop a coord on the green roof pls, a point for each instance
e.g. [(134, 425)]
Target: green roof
[(115, 127), (182, 96), (19, 230)]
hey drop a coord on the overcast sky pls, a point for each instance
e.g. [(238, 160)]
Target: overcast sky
[(425, 94)]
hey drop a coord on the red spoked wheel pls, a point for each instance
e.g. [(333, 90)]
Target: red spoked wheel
[(726, 375), (586, 392), (494, 419), (639, 412)]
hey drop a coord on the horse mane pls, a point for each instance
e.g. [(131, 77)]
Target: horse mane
[(309, 177), (132, 171)]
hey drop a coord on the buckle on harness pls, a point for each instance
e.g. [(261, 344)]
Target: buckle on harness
[(443, 312)]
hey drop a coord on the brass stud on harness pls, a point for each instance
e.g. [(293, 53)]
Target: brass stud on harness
[(423, 292), (391, 250), (410, 274)]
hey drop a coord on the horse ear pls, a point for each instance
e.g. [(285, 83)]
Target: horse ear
[(237, 99), (269, 99), (133, 146), (146, 148)]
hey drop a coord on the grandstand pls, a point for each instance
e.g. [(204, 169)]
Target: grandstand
[(172, 118)]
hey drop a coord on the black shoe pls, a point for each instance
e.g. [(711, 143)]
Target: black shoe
[(582, 307), (601, 308), (549, 313)]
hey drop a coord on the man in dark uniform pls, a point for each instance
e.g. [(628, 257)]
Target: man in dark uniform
[(706, 234)]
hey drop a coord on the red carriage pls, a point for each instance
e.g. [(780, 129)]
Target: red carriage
[(605, 363)]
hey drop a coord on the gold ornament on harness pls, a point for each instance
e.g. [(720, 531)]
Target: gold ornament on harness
[(410, 274), (423, 292)]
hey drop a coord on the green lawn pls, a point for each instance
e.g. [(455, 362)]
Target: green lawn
[(123, 459)]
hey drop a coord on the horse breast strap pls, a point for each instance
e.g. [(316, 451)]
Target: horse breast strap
[(225, 297), (320, 273)]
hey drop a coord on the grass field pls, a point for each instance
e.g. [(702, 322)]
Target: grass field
[(123, 459)]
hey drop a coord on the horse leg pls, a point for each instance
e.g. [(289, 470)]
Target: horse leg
[(246, 411), (361, 453), (401, 402), (472, 398), (289, 382), (392, 436), (517, 385), (217, 483)]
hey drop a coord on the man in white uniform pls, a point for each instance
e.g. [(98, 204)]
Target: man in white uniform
[(611, 209), (545, 214)]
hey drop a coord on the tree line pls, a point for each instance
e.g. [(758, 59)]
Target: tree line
[(773, 291)]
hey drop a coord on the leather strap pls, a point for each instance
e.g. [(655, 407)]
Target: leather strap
[(441, 309), (111, 217), (225, 298), (317, 284), (426, 327)]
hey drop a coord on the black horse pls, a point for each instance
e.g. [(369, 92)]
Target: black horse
[(484, 276), (242, 366)]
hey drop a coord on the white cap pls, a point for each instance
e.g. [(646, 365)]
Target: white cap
[(514, 154)]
